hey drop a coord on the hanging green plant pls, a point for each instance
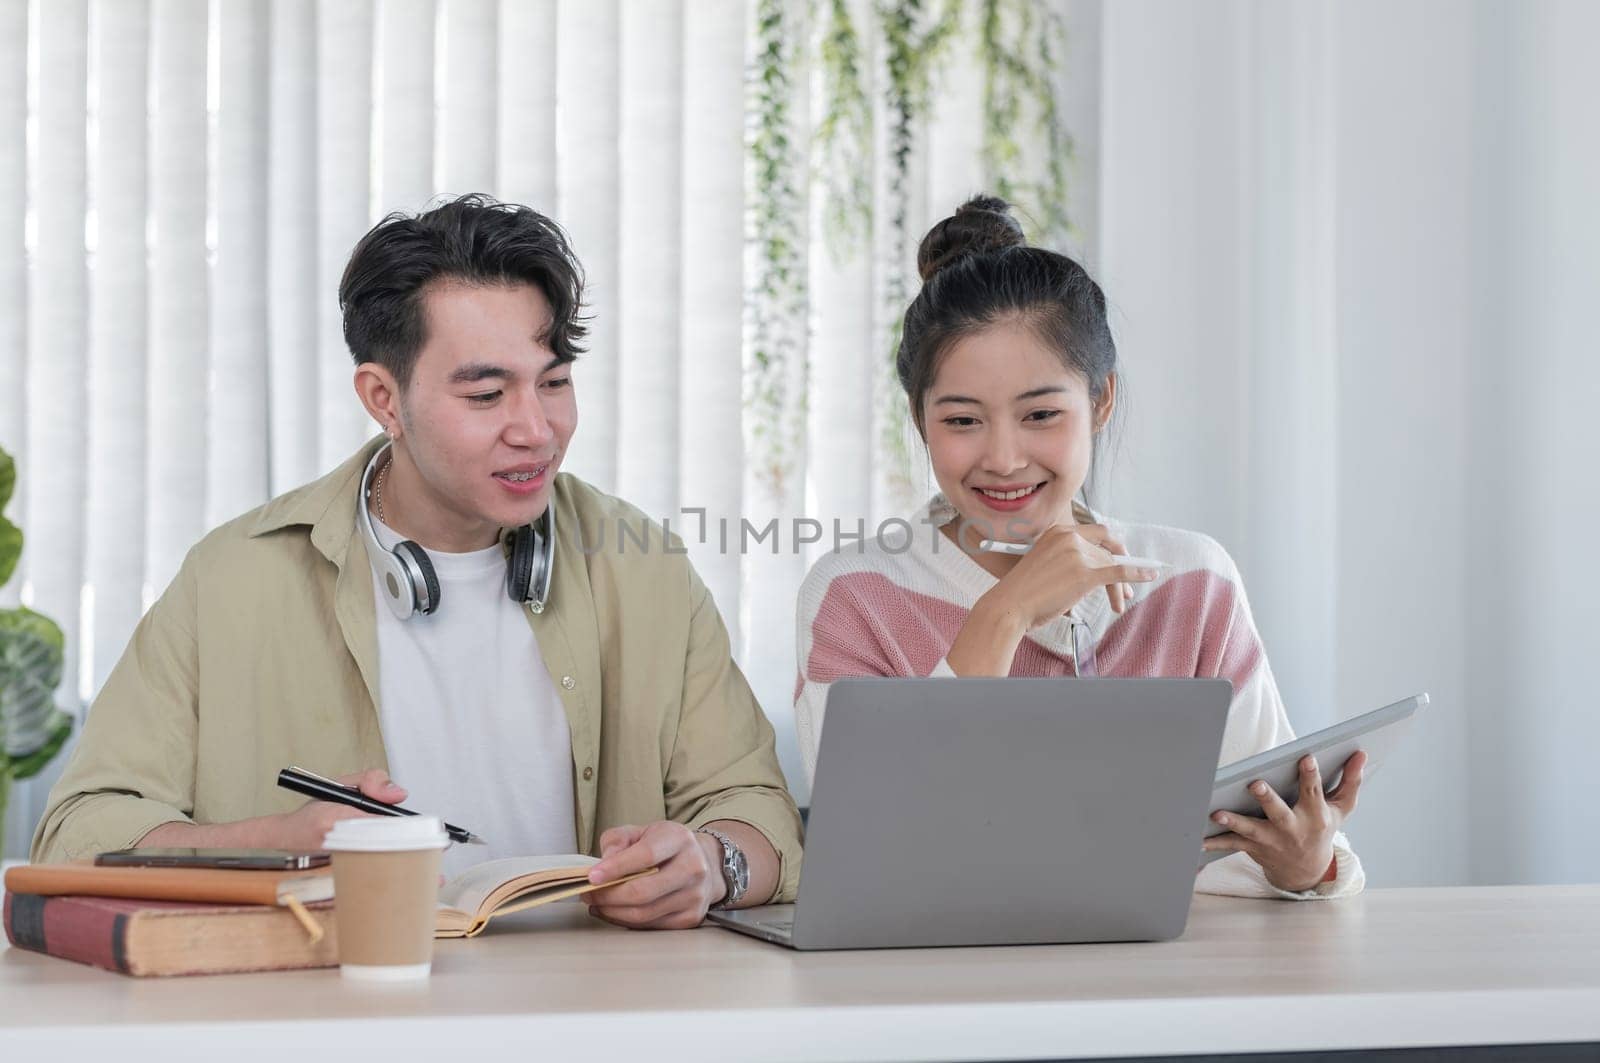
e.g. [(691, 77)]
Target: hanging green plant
[(32, 648), (910, 54), (775, 393), (1017, 46), (841, 144), (1019, 59)]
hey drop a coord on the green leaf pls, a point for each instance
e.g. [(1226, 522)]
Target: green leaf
[(32, 648), (25, 620), (30, 672), (10, 549), (10, 534), (8, 477), (28, 766)]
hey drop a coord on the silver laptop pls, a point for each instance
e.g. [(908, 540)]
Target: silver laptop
[(1002, 812)]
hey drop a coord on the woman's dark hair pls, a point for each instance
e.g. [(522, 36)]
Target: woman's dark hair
[(977, 269), (475, 240)]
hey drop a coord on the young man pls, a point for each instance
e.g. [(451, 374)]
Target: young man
[(437, 608)]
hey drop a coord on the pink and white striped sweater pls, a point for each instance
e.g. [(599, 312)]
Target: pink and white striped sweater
[(895, 606)]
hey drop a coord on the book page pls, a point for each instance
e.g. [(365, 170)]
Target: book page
[(468, 890)]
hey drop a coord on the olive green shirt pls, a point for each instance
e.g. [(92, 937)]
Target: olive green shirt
[(263, 653)]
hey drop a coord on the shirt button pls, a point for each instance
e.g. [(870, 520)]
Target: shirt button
[(588, 773), (568, 682)]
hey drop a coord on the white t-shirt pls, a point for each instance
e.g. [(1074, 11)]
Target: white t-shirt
[(471, 720)]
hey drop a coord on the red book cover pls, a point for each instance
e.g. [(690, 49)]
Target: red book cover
[(142, 937)]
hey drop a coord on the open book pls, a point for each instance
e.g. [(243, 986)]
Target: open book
[(499, 887)]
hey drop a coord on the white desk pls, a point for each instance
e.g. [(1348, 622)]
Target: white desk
[(1393, 968)]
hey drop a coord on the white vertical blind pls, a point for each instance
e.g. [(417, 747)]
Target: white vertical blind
[(844, 350), (651, 215), (292, 246), (770, 580), (344, 202), (525, 155), (898, 462), (955, 129), (587, 188), (466, 154), (118, 332), (179, 306), (405, 102), (710, 335), (13, 259), (237, 437), (55, 473), (52, 470)]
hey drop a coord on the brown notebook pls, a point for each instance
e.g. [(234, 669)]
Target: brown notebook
[(213, 885)]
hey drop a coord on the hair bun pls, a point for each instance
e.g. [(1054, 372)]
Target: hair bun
[(982, 223)]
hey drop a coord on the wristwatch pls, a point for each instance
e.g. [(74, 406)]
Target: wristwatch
[(735, 869)]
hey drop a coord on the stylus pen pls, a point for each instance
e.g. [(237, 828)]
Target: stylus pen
[(313, 785), (998, 546)]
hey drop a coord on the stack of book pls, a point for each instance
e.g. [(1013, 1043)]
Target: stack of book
[(171, 921)]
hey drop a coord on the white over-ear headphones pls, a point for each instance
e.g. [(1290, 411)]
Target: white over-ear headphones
[(406, 576)]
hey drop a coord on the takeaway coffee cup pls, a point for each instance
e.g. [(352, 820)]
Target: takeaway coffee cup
[(386, 887)]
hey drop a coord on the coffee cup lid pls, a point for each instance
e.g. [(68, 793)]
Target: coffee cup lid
[(373, 834)]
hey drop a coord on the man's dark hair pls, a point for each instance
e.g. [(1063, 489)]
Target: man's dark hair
[(474, 240)]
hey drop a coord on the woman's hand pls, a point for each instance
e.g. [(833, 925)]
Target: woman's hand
[(1066, 563), (1294, 846), (1063, 566)]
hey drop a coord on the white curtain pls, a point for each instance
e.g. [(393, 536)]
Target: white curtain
[(181, 182)]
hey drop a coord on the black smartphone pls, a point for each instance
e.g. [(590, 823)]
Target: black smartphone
[(233, 859)]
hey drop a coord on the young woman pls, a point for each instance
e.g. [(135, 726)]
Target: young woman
[(1011, 374)]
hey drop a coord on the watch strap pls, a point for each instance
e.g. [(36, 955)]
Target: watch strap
[(732, 858)]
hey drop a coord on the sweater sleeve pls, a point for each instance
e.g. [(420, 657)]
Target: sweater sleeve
[(1257, 722), (839, 634)]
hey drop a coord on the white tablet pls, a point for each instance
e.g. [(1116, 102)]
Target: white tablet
[(1374, 732)]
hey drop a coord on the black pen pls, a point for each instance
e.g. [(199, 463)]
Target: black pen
[(313, 785)]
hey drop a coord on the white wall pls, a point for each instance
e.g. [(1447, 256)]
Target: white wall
[(1536, 711), (1352, 250), (1406, 349)]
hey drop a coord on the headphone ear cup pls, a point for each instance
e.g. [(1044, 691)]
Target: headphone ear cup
[(415, 558), (395, 579), (519, 569)]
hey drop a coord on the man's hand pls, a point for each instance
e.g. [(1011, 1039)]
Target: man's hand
[(1294, 846), (306, 826), (689, 879), (303, 829)]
